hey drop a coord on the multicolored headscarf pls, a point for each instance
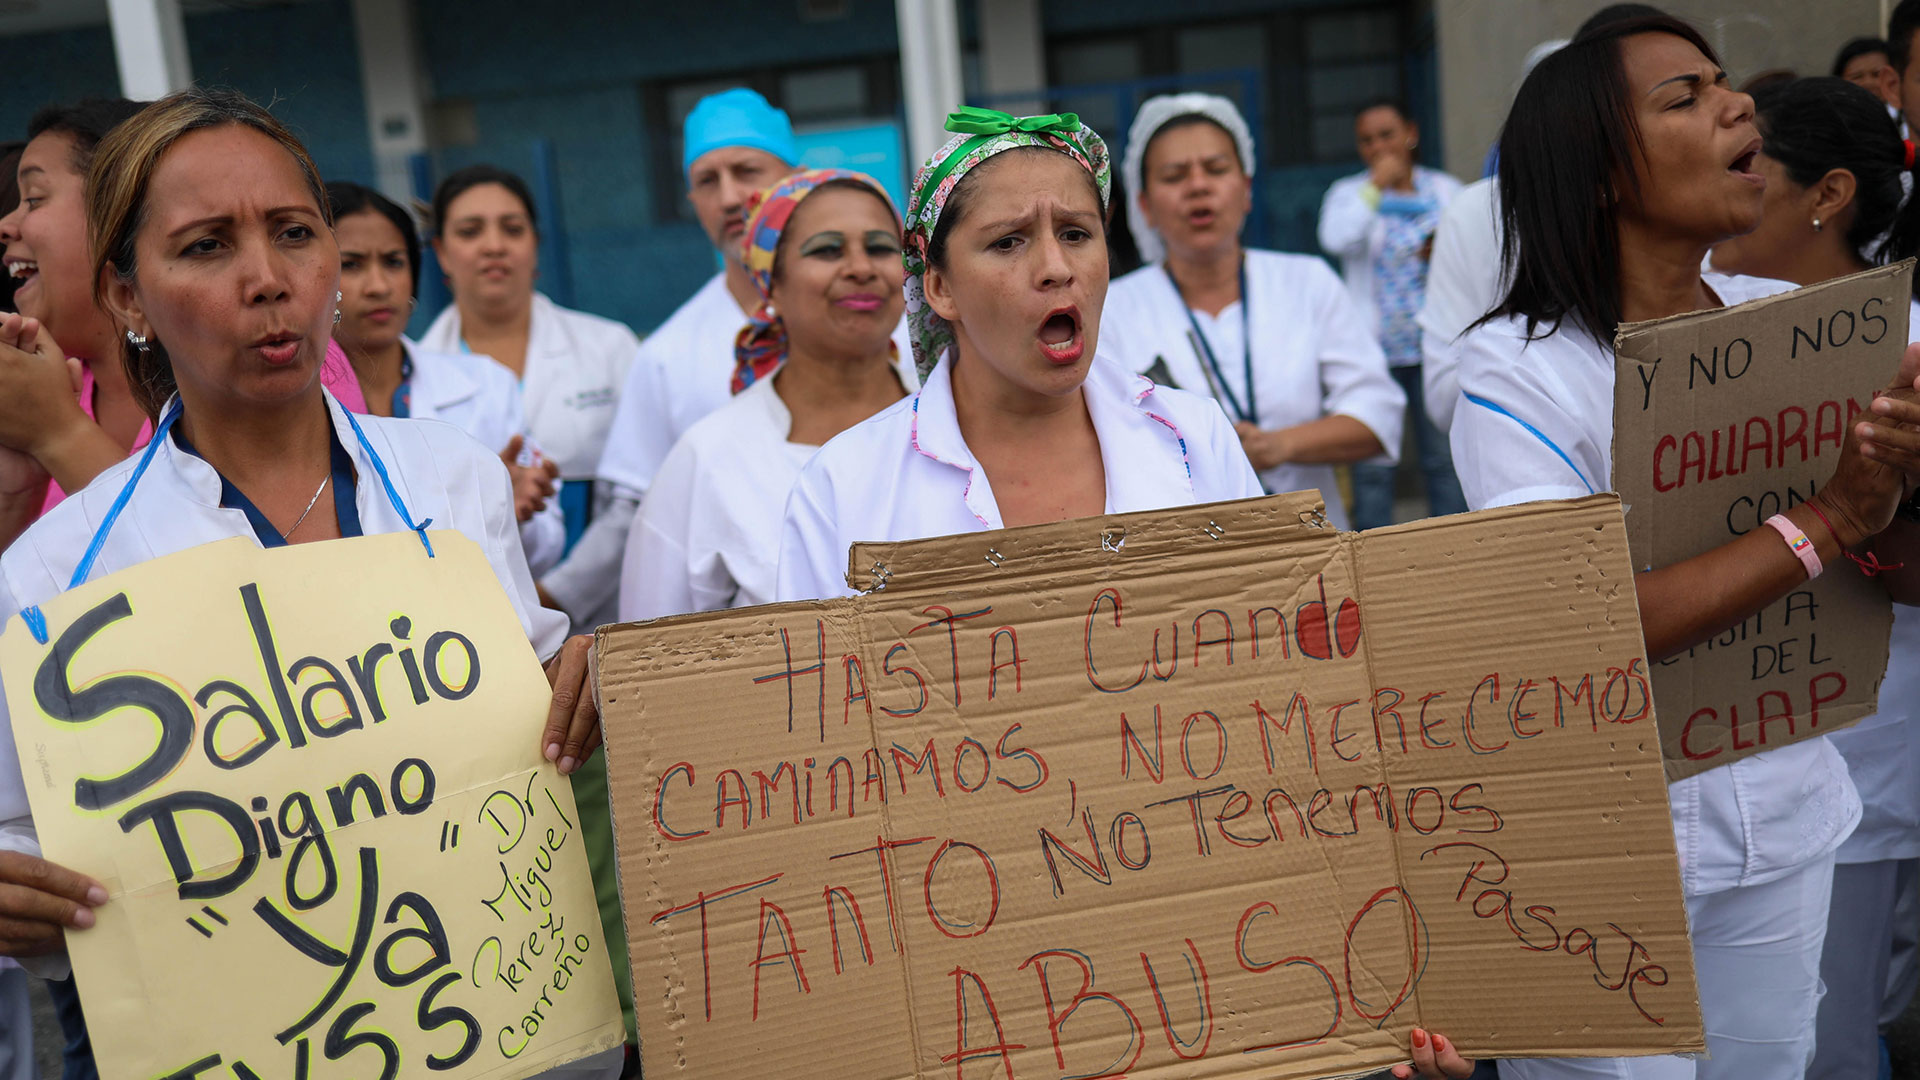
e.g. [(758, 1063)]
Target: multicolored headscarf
[(762, 345), (980, 134)]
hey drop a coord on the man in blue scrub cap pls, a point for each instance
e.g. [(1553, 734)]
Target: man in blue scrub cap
[(736, 144)]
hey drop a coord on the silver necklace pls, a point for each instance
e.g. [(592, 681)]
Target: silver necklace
[(310, 503)]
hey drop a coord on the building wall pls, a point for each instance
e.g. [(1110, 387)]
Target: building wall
[(579, 73), (299, 59), (578, 81), (1482, 44)]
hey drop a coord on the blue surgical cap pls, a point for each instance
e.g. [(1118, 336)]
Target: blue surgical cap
[(737, 117)]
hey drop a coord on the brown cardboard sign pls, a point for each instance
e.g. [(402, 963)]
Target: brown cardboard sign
[(1196, 792), (1722, 419)]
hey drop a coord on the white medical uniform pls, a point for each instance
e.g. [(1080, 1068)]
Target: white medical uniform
[(1463, 284), (1756, 838), (708, 535), (482, 398), (683, 371), (1879, 861), (1351, 229), (683, 374), (907, 473), (576, 365), (1313, 355)]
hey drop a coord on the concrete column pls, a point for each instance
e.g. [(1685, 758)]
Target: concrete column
[(929, 72), (394, 83), (150, 47), (1013, 56)]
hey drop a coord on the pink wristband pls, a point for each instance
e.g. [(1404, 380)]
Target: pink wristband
[(1798, 543)]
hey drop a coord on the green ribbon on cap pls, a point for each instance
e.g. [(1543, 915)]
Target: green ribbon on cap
[(986, 124), (968, 120)]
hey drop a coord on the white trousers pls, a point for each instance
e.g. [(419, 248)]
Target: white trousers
[(1756, 954)]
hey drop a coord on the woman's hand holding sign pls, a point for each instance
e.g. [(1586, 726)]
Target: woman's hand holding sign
[(1434, 1058), (573, 720), (39, 901)]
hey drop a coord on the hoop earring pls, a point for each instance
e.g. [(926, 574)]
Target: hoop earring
[(139, 343)]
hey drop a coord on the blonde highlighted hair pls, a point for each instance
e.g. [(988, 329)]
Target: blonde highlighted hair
[(117, 187)]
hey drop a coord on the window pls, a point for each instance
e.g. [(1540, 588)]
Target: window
[(1313, 66), (1352, 57), (812, 96)]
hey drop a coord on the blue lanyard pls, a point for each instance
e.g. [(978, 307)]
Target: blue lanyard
[(344, 507), (1250, 412), (402, 403), (37, 621)]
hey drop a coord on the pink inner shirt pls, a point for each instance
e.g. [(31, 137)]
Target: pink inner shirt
[(336, 374)]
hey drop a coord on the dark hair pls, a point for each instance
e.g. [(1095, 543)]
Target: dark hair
[(1814, 126), (1901, 26), (9, 198), (1614, 13), (460, 181), (1186, 120), (1570, 136), (1768, 81), (962, 197), (1857, 48), (86, 122), (1399, 108), (118, 185), (348, 198)]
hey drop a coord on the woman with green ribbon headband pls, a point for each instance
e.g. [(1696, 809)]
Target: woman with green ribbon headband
[(980, 136), (1018, 421)]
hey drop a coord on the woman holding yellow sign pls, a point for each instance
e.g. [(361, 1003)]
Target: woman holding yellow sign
[(214, 252)]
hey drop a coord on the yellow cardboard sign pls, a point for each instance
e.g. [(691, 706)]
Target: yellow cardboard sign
[(309, 779)]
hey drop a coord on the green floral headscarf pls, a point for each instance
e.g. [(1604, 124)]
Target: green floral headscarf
[(980, 134)]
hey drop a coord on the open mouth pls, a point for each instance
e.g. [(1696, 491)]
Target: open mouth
[(1743, 165), (22, 269), (1200, 219), (1060, 336)]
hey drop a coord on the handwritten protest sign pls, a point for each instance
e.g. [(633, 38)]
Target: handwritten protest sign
[(1722, 419), (309, 779), (1198, 792)]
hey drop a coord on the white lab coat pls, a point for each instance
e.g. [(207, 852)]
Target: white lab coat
[(1463, 283), (683, 372), (708, 535), (1744, 824), (482, 398), (1756, 838), (907, 473), (1350, 230), (576, 365), (1312, 354), (439, 472), (1883, 750)]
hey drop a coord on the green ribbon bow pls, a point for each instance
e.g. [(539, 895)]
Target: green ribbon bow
[(968, 120), (986, 124)]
